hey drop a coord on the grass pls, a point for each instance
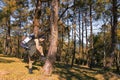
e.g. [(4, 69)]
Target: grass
[(12, 68)]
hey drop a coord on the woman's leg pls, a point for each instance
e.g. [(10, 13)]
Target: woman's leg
[(39, 48)]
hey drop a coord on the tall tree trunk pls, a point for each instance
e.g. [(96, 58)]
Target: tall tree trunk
[(18, 47), (68, 49), (74, 39), (36, 26), (18, 38), (79, 33), (111, 56), (68, 34), (117, 61), (37, 15), (51, 57), (86, 49), (82, 53), (62, 41), (91, 38), (8, 32), (8, 36), (5, 41), (113, 33), (104, 41)]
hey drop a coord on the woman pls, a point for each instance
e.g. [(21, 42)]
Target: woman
[(26, 39)]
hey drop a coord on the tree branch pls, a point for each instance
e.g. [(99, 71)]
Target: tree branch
[(64, 12), (118, 5)]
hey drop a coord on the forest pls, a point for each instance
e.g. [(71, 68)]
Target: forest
[(82, 38)]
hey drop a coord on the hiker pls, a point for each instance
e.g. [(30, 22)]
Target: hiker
[(27, 38)]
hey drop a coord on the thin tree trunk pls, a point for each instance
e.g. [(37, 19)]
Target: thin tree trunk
[(82, 53), (18, 38), (74, 50), (86, 51), (9, 48), (74, 43), (62, 41), (79, 34), (67, 54), (117, 61), (9, 30), (113, 34), (68, 49), (91, 38), (18, 47), (104, 41), (5, 43)]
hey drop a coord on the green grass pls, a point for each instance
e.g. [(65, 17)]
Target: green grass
[(12, 68)]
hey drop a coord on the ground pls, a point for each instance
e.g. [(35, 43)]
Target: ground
[(12, 68)]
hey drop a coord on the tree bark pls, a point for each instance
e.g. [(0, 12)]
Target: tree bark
[(51, 57), (79, 33), (68, 33), (113, 33), (86, 32), (82, 51), (74, 38), (36, 23), (91, 38)]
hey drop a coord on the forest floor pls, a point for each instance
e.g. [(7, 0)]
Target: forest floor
[(12, 68)]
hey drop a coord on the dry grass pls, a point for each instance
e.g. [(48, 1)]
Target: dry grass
[(12, 68)]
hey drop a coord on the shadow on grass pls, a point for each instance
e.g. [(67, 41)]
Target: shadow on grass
[(34, 68), (116, 71), (7, 56), (6, 60), (67, 73)]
